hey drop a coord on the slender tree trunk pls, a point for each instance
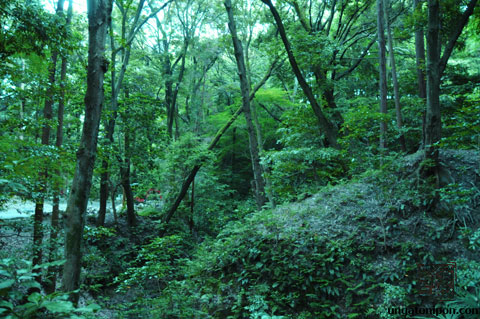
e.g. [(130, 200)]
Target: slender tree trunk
[(435, 67), (50, 285), (177, 124), (382, 72), (114, 208), (398, 109), (177, 87), (433, 123), (420, 57), (169, 95), (191, 223), (258, 129), (125, 171), (110, 130), (420, 62), (326, 126), (245, 89), (256, 124), (46, 130), (99, 14)]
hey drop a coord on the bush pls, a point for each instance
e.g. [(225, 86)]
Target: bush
[(17, 278)]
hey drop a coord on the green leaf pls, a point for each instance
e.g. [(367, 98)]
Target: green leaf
[(90, 308), (35, 297), (32, 284), (6, 284), (58, 306), (6, 304)]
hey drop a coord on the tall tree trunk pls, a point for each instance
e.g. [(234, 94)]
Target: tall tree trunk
[(435, 68), (46, 129), (167, 67), (420, 57), (245, 89), (328, 128), (125, 171), (99, 14), (191, 222), (420, 62), (181, 74), (382, 72), (398, 109), (256, 124), (433, 117), (51, 284), (433, 121), (258, 129), (171, 93), (436, 65)]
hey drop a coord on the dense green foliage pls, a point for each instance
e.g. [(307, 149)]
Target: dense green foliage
[(345, 224)]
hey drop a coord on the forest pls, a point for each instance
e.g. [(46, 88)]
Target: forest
[(240, 159)]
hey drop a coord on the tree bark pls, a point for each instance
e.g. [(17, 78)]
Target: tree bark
[(191, 222), (245, 89), (325, 125), (46, 130), (398, 109), (51, 284), (99, 14), (382, 72), (420, 62), (258, 129), (125, 171), (42, 188), (435, 67), (420, 57), (174, 106), (433, 123)]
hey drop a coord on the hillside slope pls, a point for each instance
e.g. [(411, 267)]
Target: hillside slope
[(349, 251)]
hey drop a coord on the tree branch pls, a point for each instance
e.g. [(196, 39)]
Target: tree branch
[(454, 37), (270, 113), (357, 62)]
